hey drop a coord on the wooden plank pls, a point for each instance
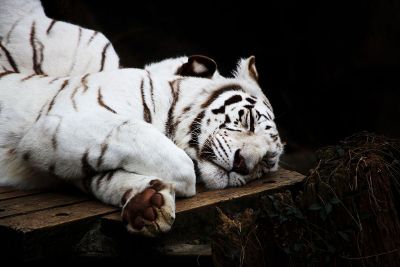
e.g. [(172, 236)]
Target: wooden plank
[(23, 205), (40, 225), (17, 193), (281, 179), (6, 189), (56, 216), (270, 182)]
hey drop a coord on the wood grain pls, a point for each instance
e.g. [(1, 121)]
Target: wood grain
[(17, 193), (31, 203), (56, 216), (31, 210), (6, 189), (40, 224), (269, 183)]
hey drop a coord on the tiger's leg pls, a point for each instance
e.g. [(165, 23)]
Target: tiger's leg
[(55, 144), (148, 204)]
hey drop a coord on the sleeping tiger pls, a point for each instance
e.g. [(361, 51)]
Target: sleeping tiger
[(133, 138)]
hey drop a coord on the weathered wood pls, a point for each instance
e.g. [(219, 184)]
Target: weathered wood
[(16, 193), (270, 182), (187, 250), (56, 216), (51, 224), (6, 189), (31, 203)]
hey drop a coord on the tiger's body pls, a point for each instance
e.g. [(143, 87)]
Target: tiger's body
[(133, 138)]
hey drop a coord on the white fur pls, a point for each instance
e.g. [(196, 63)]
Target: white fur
[(130, 124), (69, 49)]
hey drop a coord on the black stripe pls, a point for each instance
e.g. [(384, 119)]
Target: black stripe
[(227, 144), (250, 100), (87, 169), (230, 129), (227, 119), (41, 57), (170, 126), (99, 179), (50, 26), (28, 77), (65, 83), (274, 137), (217, 150), (55, 79), (146, 110), (207, 152), (41, 111), (267, 104), (223, 149), (232, 100), (151, 90), (196, 168), (241, 113), (220, 91), (36, 65), (251, 121), (219, 110), (79, 36), (6, 73), (103, 150), (258, 114), (110, 175), (73, 97), (92, 37), (9, 58), (103, 56), (100, 101), (267, 118), (195, 129), (54, 142), (84, 82)]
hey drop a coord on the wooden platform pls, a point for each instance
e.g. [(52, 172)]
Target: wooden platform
[(40, 224)]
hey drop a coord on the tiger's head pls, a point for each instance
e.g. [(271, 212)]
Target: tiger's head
[(227, 127)]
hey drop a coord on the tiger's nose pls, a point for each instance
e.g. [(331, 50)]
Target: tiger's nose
[(239, 164)]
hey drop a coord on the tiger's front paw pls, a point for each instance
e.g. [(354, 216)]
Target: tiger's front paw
[(152, 211)]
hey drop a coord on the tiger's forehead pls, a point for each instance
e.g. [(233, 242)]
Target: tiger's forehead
[(236, 98)]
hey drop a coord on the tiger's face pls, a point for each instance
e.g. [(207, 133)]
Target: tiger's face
[(235, 136)]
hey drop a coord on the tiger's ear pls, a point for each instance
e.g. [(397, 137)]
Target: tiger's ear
[(198, 66), (246, 69)]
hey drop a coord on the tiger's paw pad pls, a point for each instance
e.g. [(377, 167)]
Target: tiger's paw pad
[(152, 211)]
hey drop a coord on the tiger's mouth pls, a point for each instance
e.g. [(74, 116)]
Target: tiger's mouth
[(238, 177)]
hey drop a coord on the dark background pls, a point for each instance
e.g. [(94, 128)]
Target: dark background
[(329, 68)]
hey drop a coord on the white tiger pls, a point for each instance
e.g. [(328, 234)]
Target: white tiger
[(133, 138)]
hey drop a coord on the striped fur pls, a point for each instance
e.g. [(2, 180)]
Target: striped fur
[(47, 46), (133, 138)]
